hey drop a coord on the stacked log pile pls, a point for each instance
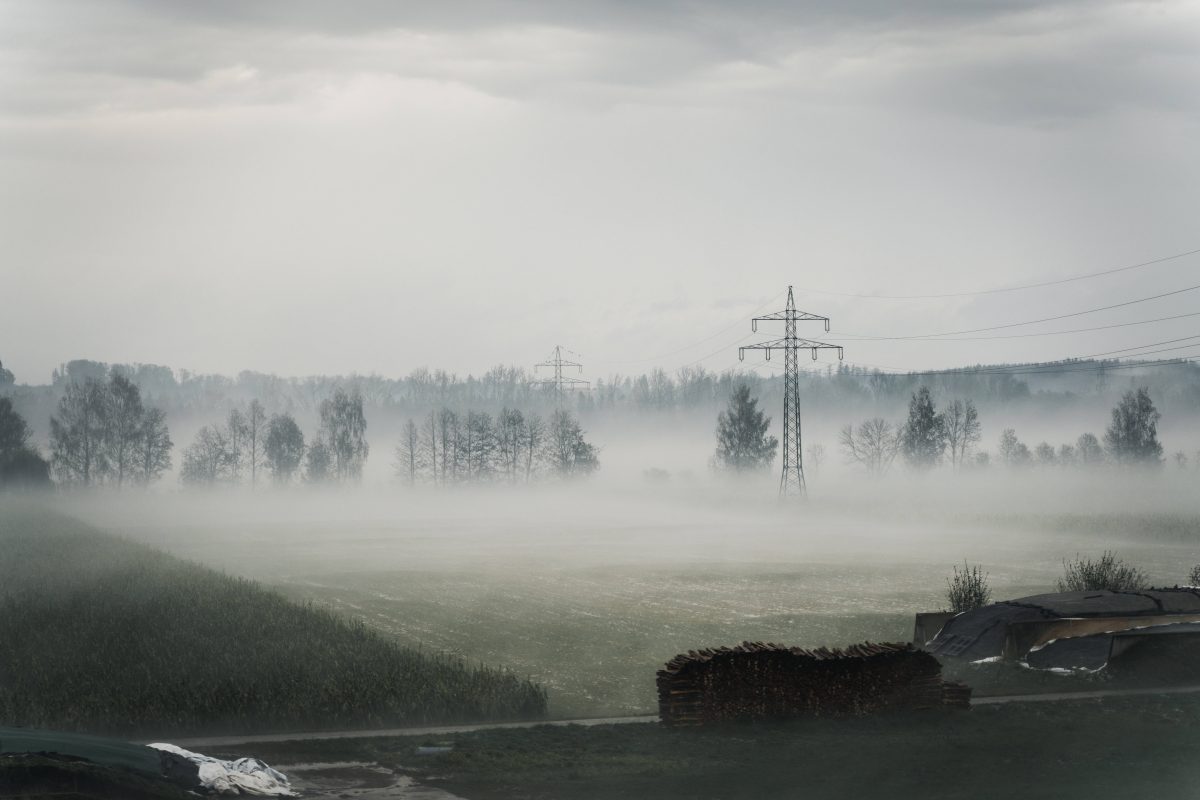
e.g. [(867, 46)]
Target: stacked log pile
[(757, 680)]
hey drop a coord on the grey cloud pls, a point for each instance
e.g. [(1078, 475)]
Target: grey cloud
[(997, 61)]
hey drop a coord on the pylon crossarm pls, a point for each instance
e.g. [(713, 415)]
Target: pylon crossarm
[(778, 344), (799, 316)]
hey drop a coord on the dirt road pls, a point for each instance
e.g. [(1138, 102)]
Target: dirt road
[(442, 730)]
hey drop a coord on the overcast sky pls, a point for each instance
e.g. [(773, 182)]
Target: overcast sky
[(330, 187)]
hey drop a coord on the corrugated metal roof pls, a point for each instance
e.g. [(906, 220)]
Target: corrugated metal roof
[(981, 633)]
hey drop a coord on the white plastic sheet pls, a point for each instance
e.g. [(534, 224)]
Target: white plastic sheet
[(244, 776)]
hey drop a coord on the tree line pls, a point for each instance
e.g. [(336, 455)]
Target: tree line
[(249, 444), (658, 391), (103, 434), (449, 447), (930, 437)]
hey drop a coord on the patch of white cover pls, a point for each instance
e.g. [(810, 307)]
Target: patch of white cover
[(241, 776)]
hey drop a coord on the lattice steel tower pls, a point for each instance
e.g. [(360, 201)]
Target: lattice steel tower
[(560, 382), (791, 482)]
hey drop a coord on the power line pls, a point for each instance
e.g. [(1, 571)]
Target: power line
[(1065, 365), (721, 332), (1151, 344), (857, 338), (1037, 321), (999, 290), (1044, 369)]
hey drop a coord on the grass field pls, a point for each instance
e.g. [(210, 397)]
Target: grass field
[(590, 604), (104, 635)]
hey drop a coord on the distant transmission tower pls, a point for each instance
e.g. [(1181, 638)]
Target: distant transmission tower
[(791, 483), (560, 382)]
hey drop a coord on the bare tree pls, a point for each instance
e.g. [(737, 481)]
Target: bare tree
[(283, 448), (448, 427), (209, 459), (429, 444), (124, 414), (534, 436), (1013, 452), (1045, 455), (1089, 451), (256, 434), (816, 457), (318, 466), (408, 453), (510, 433), (569, 454), (961, 425), (77, 434), (873, 446), (481, 447), (153, 447), (344, 431), (236, 436)]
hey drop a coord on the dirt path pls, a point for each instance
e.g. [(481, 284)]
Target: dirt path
[(442, 730), (438, 730)]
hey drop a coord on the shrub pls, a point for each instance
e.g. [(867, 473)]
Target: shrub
[(1194, 576), (968, 589), (1107, 572)]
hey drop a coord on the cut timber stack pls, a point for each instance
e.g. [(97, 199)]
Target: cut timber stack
[(759, 680)]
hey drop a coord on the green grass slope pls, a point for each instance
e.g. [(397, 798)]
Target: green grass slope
[(103, 635)]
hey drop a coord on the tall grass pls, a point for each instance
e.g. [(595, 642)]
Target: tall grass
[(103, 635)]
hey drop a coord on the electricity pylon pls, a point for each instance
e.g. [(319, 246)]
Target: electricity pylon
[(560, 381), (791, 482)]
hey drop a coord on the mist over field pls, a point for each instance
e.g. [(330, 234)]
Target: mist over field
[(390, 389), (589, 588)]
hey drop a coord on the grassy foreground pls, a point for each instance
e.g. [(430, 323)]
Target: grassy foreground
[(106, 636), (1129, 747)]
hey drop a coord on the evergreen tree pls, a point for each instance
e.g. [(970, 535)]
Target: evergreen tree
[(742, 440), (924, 437), (14, 431), (20, 464), (1132, 436)]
